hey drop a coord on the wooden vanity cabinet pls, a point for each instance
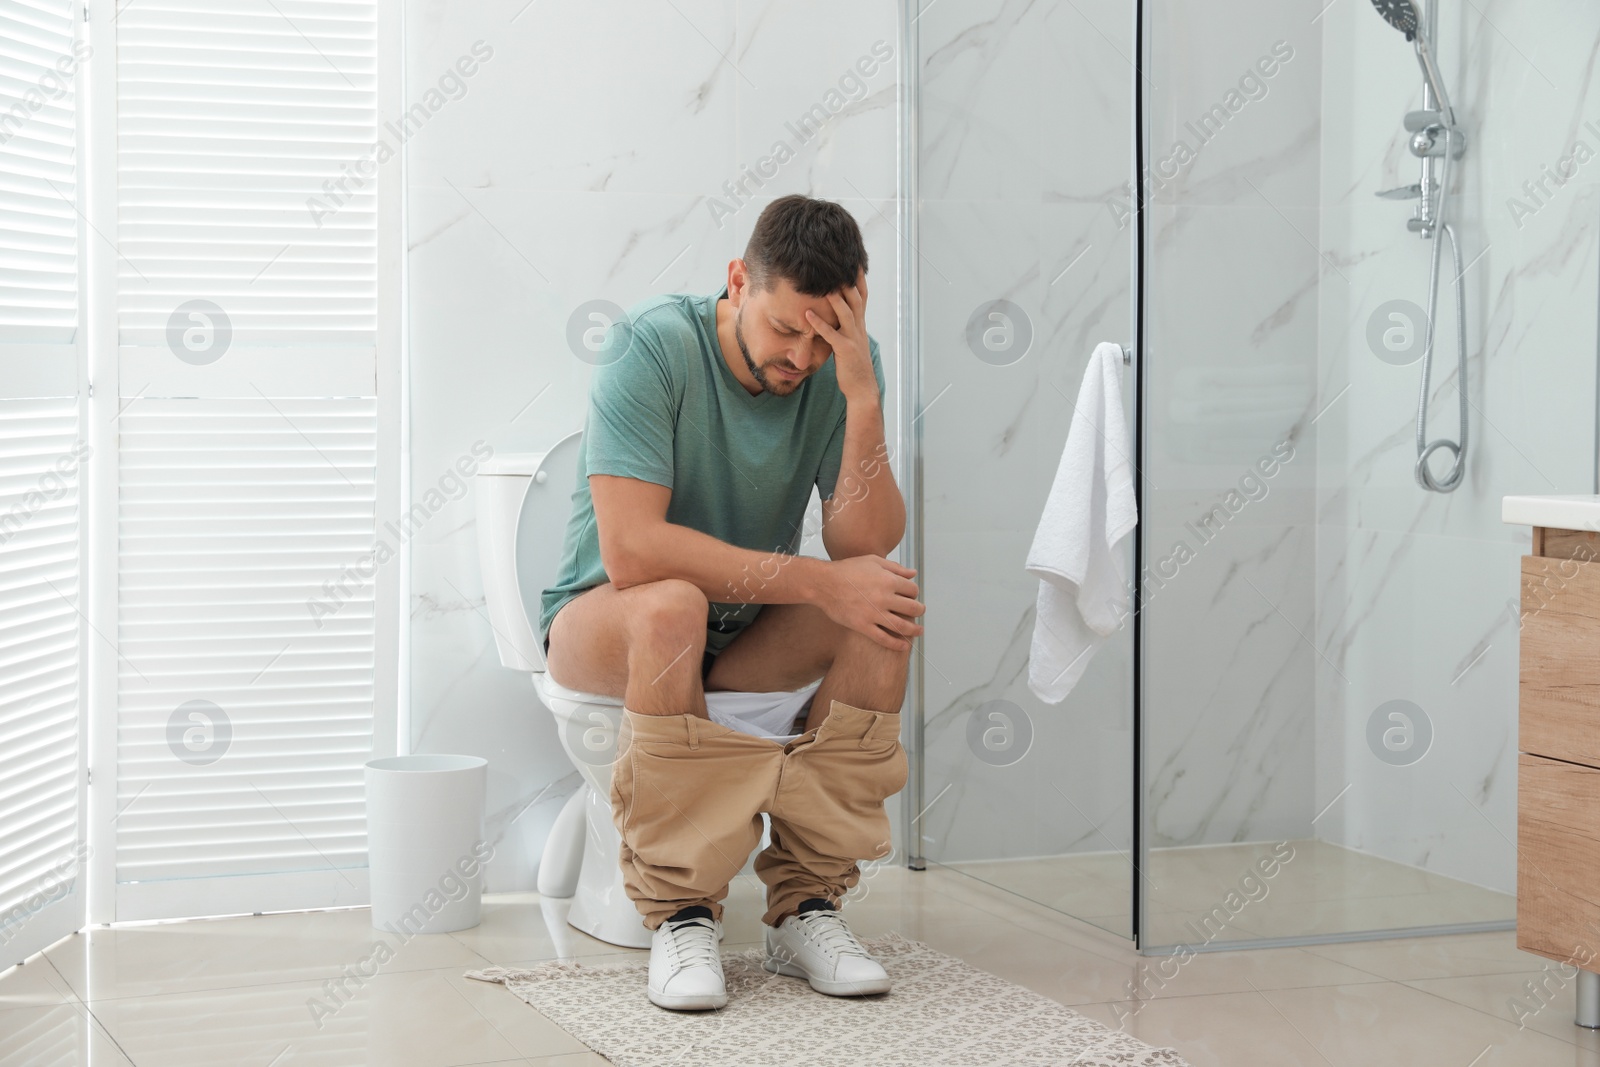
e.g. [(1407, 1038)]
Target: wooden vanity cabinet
[(1558, 766)]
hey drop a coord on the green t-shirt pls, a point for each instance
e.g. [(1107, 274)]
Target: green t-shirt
[(670, 411)]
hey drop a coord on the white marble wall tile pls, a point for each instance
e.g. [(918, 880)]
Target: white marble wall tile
[(983, 74), (1084, 100), (578, 165), (1425, 619), (1260, 64), (1231, 336), (600, 96), (1228, 735), (840, 56)]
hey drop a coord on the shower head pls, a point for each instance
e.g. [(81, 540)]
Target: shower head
[(1404, 16), (1401, 14)]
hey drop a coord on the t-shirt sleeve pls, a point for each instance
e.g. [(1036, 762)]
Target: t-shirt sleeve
[(833, 455), (632, 409)]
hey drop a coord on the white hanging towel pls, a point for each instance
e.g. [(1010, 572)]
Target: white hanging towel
[(1083, 593)]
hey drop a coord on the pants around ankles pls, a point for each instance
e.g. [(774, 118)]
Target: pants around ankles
[(687, 796)]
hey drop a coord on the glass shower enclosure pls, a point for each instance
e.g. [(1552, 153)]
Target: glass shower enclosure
[(1019, 255), (1307, 729)]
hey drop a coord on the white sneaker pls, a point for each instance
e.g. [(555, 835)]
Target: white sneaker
[(819, 947), (686, 965)]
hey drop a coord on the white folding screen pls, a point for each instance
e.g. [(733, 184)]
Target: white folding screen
[(254, 450), (247, 697), (246, 175), (39, 257), (42, 848), (41, 893)]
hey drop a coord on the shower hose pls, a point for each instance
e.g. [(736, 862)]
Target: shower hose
[(1426, 448)]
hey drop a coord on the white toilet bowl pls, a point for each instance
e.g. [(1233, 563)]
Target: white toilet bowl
[(523, 501), (581, 856)]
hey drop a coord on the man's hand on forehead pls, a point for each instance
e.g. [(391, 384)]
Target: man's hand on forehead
[(846, 331)]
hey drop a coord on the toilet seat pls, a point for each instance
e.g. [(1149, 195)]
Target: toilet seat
[(549, 686)]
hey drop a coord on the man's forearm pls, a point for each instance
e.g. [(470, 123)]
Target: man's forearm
[(866, 514), (725, 573)]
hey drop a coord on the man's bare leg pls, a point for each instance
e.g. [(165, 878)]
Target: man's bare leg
[(642, 643), (789, 645)]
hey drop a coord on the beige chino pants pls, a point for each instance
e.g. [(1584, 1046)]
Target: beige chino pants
[(687, 796)]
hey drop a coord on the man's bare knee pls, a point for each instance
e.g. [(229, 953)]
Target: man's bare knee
[(666, 634), (671, 606), (666, 623), (858, 646)]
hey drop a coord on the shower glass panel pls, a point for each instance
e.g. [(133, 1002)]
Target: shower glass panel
[(1021, 259), (1330, 650)]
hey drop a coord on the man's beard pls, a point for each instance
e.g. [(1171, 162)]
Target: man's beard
[(758, 373)]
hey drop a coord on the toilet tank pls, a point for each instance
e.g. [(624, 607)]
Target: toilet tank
[(523, 500)]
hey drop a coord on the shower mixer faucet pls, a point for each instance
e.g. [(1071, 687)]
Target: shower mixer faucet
[(1427, 127)]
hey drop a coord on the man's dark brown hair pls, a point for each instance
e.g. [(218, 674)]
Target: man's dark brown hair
[(814, 245)]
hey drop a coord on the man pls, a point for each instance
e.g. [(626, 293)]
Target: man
[(710, 419)]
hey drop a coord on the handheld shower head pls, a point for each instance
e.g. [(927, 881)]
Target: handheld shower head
[(1404, 16), (1401, 14)]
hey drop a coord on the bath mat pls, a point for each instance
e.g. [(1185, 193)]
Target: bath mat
[(940, 1011)]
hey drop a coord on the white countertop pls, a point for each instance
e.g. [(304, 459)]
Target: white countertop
[(1555, 512)]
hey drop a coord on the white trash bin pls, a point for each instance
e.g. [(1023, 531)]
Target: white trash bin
[(425, 847)]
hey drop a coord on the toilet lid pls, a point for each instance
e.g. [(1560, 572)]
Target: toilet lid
[(542, 523)]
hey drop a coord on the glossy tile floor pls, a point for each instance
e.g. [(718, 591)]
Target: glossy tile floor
[(1320, 888), (309, 988)]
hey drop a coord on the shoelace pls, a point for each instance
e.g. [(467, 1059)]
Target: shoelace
[(828, 929), (694, 941)]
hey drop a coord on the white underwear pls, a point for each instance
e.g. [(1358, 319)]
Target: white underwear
[(769, 715)]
